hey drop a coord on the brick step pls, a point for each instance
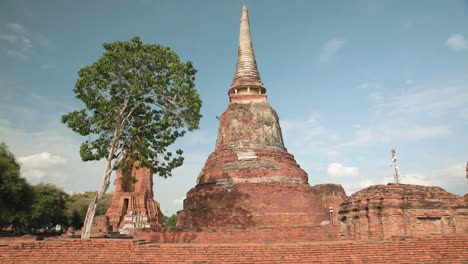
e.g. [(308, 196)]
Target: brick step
[(450, 249)]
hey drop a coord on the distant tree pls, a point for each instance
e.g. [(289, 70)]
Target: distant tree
[(49, 206), (75, 220), (139, 98), (170, 221), (77, 205), (103, 204), (15, 192)]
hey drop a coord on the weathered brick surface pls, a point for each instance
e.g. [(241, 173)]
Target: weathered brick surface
[(402, 210), (332, 196), (250, 179), (133, 204), (448, 249), (240, 234)]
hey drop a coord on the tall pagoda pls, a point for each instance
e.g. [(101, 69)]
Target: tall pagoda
[(250, 179)]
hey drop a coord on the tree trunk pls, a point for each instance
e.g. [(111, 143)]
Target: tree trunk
[(88, 222)]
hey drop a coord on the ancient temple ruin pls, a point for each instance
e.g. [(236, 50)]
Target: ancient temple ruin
[(402, 210), (133, 205), (250, 179)]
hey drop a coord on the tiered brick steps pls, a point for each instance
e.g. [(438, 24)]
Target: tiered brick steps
[(447, 249)]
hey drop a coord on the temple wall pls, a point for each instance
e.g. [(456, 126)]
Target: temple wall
[(402, 210)]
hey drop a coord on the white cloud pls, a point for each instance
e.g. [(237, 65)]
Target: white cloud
[(16, 54), (451, 178), (416, 133), (197, 137), (16, 28), (41, 166), (409, 81), (338, 170), (457, 42), (434, 102), (417, 179), (9, 37), (178, 201), (43, 40), (56, 159), (21, 42), (308, 136), (362, 136), (375, 97), (369, 86), (42, 160), (48, 66), (27, 44), (330, 49)]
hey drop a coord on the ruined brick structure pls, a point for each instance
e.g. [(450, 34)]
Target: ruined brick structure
[(250, 179), (402, 210), (253, 204), (132, 205), (332, 195)]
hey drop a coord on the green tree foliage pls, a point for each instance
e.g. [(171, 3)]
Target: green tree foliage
[(49, 206), (15, 192), (77, 205), (170, 221), (139, 98)]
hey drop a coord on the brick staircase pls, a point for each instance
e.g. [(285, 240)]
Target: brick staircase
[(444, 249)]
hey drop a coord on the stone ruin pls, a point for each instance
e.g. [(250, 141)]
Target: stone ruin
[(250, 180), (402, 210), (253, 204), (133, 205)]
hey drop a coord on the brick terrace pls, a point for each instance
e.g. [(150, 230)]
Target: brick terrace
[(442, 249)]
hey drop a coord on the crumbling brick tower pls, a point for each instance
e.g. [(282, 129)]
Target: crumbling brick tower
[(250, 179), (132, 205)]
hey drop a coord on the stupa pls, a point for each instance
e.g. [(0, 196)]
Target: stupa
[(133, 205), (250, 179)]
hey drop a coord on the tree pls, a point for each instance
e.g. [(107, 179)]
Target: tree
[(49, 206), (170, 221), (139, 98), (77, 205), (15, 192)]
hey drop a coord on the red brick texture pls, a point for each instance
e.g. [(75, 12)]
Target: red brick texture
[(235, 235), (402, 210), (250, 179), (332, 195), (446, 249), (133, 204)]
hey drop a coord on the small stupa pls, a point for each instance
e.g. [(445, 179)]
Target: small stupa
[(250, 179), (133, 205)]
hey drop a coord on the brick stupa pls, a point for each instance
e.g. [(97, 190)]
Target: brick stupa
[(250, 179), (133, 205)]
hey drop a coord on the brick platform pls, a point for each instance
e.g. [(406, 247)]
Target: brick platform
[(448, 249), (239, 235)]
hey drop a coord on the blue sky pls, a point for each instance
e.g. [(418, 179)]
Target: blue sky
[(349, 80)]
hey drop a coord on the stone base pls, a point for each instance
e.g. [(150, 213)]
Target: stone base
[(238, 235), (259, 204), (129, 211)]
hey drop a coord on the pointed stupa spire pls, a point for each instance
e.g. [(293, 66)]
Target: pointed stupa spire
[(246, 78)]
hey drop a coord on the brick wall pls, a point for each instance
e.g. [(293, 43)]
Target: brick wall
[(240, 234), (448, 249), (402, 210)]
